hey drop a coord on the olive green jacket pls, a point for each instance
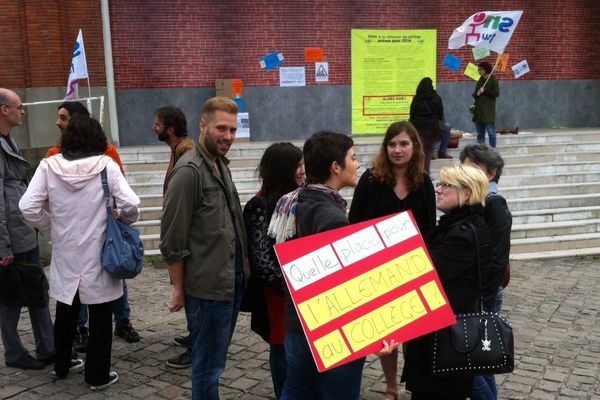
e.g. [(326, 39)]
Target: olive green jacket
[(202, 214), (485, 105)]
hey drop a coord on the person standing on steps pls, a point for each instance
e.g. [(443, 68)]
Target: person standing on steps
[(484, 115), (170, 126)]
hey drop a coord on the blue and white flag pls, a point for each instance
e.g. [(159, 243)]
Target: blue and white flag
[(78, 68)]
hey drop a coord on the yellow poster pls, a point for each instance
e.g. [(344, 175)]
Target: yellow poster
[(387, 66)]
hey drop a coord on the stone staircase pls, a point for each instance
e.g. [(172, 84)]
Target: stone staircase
[(551, 182)]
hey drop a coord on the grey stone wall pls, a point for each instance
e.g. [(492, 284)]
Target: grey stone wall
[(293, 113)]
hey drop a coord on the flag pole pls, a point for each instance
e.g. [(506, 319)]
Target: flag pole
[(89, 99), (490, 75)]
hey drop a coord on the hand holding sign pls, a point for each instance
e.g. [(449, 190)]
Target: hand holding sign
[(362, 285)]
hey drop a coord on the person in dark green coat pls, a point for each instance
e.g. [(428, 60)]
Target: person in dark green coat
[(485, 95)]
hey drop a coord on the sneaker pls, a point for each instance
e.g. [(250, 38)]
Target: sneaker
[(127, 332), (77, 365), (113, 377), (26, 362), (81, 339), (182, 361), (183, 341)]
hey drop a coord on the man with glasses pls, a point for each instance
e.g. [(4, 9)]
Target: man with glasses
[(484, 115), (18, 244)]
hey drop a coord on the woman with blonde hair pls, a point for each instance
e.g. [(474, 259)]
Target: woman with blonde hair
[(453, 249), (397, 182)]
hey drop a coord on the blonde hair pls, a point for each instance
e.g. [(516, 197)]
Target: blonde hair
[(466, 177), (218, 103)]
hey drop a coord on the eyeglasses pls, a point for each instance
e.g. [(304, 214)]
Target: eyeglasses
[(445, 185), (19, 107)]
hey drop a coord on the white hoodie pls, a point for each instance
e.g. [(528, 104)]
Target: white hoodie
[(77, 218)]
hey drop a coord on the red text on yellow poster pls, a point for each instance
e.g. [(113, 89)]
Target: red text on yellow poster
[(355, 286)]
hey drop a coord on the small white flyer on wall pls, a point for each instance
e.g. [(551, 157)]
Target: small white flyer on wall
[(243, 128), (292, 76), (322, 72), (520, 69)]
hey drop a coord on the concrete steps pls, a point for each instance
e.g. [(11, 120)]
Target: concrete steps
[(551, 182)]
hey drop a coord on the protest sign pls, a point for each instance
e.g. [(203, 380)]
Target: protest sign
[(452, 62), (292, 76), (502, 62), (520, 69), (472, 71), (312, 54), (270, 61), (358, 285), (480, 52)]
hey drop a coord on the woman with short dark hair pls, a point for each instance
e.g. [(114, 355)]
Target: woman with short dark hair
[(70, 183)]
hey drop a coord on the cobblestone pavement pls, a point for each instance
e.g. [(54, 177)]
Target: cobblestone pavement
[(552, 304)]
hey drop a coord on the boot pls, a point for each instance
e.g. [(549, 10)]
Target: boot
[(444, 154), (434, 156)]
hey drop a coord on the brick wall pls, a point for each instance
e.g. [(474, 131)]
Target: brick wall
[(188, 44), (37, 39)]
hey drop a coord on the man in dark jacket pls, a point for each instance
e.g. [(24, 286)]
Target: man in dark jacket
[(18, 243), (330, 164)]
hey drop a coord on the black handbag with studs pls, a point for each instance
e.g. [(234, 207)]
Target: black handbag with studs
[(479, 343)]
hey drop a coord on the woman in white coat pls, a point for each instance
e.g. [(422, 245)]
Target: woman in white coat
[(70, 183)]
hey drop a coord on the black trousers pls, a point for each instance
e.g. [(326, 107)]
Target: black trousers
[(97, 363)]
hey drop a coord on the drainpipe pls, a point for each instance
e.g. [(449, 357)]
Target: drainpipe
[(110, 76)]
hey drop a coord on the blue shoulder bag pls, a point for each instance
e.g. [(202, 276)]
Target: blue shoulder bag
[(123, 252)]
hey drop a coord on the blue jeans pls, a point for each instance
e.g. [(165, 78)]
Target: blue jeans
[(481, 128), (211, 324), (304, 382), (121, 309), (445, 138), (484, 386), (278, 368)]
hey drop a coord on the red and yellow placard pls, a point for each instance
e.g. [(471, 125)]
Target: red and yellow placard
[(355, 286)]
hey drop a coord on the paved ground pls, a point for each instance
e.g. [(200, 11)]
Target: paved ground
[(554, 306)]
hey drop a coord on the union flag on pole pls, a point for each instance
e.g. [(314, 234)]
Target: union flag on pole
[(487, 29), (78, 68)]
